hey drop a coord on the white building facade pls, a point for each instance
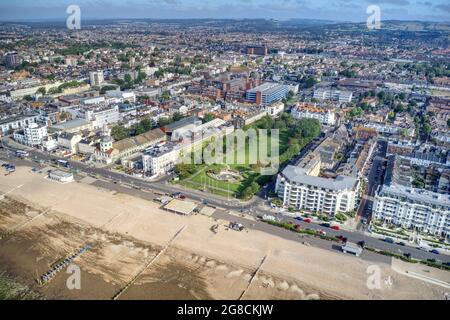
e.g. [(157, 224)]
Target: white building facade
[(324, 116), (411, 208), (160, 159), (317, 194), (96, 78), (102, 116), (32, 135)]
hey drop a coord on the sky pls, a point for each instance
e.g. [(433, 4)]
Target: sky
[(341, 10)]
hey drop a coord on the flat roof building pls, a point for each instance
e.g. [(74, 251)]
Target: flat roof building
[(267, 93)]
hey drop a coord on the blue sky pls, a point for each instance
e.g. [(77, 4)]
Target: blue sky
[(348, 10)]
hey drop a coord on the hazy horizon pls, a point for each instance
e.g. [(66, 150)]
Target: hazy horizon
[(334, 10)]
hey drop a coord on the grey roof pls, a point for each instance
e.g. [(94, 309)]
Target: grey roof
[(70, 124), (297, 175), (419, 196), (267, 88), (182, 123)]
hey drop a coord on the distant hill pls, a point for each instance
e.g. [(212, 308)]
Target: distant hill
[(260, 25), (396, 25)]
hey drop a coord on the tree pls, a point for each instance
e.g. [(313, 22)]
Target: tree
[(159, 74), (42, 90), (254, 187), (310, 82), (141, 77), (166, 95), (164, 121), (106, 88), (177, 116), (128, 78), (119, 133), (208, 117), (246, 193), (381, 95)]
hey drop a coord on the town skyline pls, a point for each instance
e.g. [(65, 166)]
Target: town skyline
[(340, 11)]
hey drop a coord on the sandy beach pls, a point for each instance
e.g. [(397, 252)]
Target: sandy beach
[(42, 221)]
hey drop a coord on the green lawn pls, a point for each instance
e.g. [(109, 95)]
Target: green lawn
[(203, 182), (200, 180)]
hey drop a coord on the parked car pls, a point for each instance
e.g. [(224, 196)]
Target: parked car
[(307, 220), (325, 224), (342, 238), (362, 244), (298, 218), (434, 251), (352, 248), (335, 228), (401, 243), (388, 240)]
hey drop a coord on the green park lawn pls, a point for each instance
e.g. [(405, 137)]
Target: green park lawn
[(198, 178)]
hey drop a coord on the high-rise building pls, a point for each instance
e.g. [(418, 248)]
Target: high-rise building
[(267, 93), (96, 78), (257, 50), (12, 60)]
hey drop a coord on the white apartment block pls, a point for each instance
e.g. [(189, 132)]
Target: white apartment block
[(302, 188), (95, 101), (411, 208), (33, 135), (275, 109), (389, 128), (15, 123), (117, 96), (101, 116), (160, 159), (96, 78), (333, 94), (327, 117)]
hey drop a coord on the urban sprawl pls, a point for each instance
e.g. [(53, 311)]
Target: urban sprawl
[(362, 120)]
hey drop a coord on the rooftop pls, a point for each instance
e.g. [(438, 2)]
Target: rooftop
[(417, 195), (298, 175), (180, 206)]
